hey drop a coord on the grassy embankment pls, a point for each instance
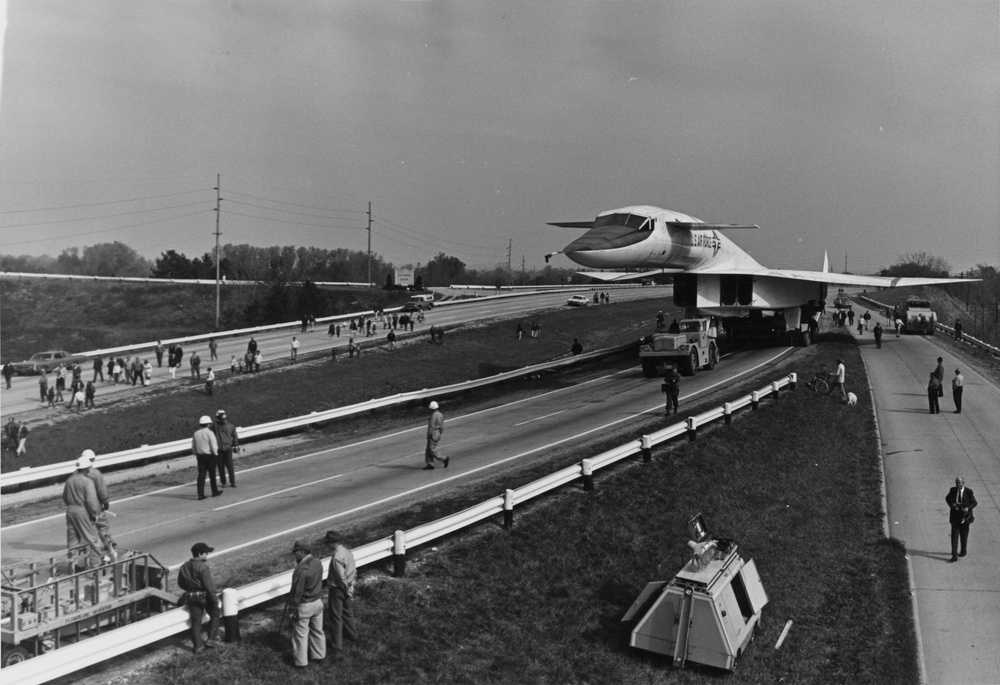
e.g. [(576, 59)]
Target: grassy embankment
[(170, 412), (797, 484)]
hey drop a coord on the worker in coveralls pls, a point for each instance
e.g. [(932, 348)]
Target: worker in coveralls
[(435, 427), (82, 509), (101, 523)]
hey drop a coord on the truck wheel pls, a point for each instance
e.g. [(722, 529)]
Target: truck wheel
[(689, 363), (713, 357), (649, 368)]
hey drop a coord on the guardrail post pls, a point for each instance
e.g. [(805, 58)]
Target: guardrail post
[(647, 448), (727, 413), (230, 614), (775, 388), (755, 400), (588, 475), (508, 509), (399, 554), (793, 378), (692, 429)]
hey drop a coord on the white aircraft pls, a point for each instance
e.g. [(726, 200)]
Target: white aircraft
[(710, 272)]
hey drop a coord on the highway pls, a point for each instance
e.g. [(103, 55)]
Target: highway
[(958, 604), (275, 345), (305, 495)]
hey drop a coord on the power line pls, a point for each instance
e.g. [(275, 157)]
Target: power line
[(100, 216), (292, 204), (295, 223), (100, 204), (106, 230)]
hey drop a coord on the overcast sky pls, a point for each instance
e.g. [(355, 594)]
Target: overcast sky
[(866, 128)]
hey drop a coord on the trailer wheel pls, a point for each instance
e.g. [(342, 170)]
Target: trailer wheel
[(649, 368), (14, 655)]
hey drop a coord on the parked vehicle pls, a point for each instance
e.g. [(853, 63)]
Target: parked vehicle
[(43, 362), (578, 301)]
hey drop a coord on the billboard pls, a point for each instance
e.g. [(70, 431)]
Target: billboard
[(403, 276)]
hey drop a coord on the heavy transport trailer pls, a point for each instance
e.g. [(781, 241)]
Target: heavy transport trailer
[(47, 604)]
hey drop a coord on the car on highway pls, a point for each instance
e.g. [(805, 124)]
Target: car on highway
[(43, 362), (578, 301), (412, 307)]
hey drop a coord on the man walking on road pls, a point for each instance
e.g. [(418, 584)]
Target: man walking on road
[(305, 605), (435, 428), (961, 501), (206, 450), (877, 332), (339, 615), (957, 385)]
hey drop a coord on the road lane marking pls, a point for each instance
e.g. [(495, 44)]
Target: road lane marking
[(555, 413), (280, 492), (777, 356), (413, 491)]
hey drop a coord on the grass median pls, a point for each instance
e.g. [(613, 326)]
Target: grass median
[(797, 484)]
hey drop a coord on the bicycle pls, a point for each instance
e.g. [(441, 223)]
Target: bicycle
[(819, 383)]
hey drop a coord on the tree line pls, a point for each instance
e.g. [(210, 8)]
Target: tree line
[(276, 264)]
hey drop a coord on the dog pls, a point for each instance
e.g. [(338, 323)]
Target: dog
[(852, 399)]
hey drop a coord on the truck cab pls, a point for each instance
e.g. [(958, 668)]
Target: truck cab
[(692, 348)]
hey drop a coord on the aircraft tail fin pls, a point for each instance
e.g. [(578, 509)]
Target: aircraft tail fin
[(826, 262)]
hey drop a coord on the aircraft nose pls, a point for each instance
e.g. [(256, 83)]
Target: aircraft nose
[(606, 238)]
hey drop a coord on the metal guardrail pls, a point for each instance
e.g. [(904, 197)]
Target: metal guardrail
[(66, 660), (38, 474), (975, 342)]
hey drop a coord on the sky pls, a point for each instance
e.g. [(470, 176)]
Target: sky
[(868, 129)]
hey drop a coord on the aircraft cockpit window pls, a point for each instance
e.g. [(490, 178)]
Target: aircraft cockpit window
[(636, 221), (633, 221)]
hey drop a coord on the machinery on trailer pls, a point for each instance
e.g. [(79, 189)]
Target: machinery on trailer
[(711, 610), (692, 348), (46, 603)]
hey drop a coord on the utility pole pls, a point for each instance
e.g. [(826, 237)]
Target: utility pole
[(510, 244), (218, 212), (369, 244), (845, 262)]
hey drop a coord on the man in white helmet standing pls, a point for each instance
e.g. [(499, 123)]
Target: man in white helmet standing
[(103, 496), (205, 448), (435, 428), (82, 508)]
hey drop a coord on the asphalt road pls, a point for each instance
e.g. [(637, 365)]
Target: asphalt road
[(958, 604), (304, 495), (276, 345)]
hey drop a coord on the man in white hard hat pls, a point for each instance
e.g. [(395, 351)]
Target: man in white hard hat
[(435, 428), (82, 509), (205, 448), (103, 496)]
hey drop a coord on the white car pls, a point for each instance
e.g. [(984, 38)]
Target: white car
[(578, 301)]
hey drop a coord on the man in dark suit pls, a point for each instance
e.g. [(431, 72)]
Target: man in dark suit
[(961, 501)]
